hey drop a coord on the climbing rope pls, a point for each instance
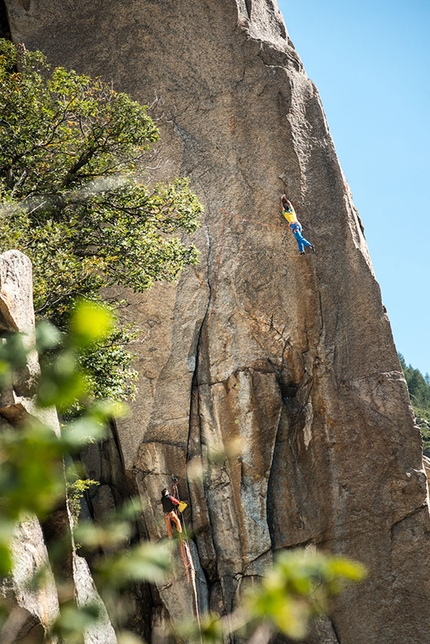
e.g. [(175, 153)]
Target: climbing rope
[(251, 221), (186, 555)]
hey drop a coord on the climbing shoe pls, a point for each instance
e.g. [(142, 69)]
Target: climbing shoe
[(312, 247), (302, 252)]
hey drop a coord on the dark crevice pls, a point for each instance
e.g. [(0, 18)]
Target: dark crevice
[(284, 470), (194, 434), (288, 390), (104, 462), (207, 563), (414, 511), (194, 422), (334, 629)]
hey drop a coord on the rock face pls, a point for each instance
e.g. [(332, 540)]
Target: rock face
[(290, 357)]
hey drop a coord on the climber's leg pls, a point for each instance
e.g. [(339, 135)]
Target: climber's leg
[(176, 521), (308, 244), (299, 240), (168, 524)]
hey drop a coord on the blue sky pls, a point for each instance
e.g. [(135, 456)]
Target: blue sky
[(371, 63)]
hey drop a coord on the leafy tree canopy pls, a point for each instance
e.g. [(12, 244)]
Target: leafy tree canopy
[(71, 189)]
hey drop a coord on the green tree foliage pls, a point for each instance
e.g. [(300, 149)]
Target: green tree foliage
[(73, 198), (418, 385), (419, 392)]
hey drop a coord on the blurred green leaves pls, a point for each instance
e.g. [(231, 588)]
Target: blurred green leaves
[(63, 381), (74, 622), (31, 472), (33, 451), (298, 588), (89, 323), (13, 356), (146, 561)]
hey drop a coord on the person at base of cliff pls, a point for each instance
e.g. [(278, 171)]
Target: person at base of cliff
[(170, 504), (294, 225)]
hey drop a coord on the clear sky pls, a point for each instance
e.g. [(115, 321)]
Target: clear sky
[(370, 60)]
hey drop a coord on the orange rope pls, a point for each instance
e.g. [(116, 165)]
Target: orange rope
[(251, 221)]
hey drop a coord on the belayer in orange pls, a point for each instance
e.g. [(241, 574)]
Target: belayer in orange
[(294, 225), (170, 504)]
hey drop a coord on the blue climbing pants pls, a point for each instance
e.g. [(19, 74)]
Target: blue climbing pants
[(301, 241)]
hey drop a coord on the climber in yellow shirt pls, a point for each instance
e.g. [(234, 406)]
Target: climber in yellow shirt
[(295, 225)]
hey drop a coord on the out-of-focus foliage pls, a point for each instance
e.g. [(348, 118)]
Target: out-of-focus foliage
[(32, 474), (294, 591), (298, 588), (32, 481)]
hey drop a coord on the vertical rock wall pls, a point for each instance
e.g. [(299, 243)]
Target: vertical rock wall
[(289, 356)]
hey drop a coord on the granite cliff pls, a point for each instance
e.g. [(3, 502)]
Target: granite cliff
[(290, 357)]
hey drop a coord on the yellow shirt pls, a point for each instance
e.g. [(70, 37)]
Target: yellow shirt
[(290, 215)]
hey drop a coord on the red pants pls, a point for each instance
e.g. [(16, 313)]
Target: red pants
[(172, 516)]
